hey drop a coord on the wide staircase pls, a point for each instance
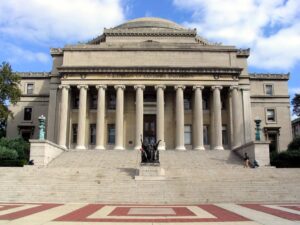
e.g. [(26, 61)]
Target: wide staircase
[(192, 177)]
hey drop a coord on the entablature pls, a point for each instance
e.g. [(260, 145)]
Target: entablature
[(152, 70)]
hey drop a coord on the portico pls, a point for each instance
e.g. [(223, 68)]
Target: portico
[(129, 104)]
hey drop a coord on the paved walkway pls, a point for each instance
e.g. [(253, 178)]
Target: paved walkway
[(90, 214)]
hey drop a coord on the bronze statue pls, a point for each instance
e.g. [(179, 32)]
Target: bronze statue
[(149, 152)]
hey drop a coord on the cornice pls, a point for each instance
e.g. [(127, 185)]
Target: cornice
[(152, 70), (56, 51), (269, 76), (34, 75)]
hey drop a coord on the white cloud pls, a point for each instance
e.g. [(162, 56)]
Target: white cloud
[(49, 20), (293, 91), (17, 55), (271, 28)]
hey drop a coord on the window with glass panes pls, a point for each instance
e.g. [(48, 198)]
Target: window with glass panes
[(111, 133), (224, 135), (74, 133), (271, 115), (269, 89), (27, 113), (29, 90), (205, 135), (111, 101), (92, 134), (187, 134)]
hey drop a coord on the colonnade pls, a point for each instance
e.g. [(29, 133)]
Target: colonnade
[(160, 114)]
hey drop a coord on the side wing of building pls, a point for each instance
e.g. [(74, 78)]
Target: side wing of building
[(33, 103), (270, 103)]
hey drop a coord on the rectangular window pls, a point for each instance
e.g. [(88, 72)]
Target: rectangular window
[(269, 89), (187, 102), (111, 101), (271, 115), (205, 135), (187, 134), (93, 101), (92, 134), (27, 114), (74, 133), (224, 135), (29, 90), (111, 133)]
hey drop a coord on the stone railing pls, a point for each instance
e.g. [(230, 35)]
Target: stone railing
[(43, 152), (258, 150)]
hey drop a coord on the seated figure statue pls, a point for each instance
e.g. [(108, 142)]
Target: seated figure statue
[(149, 152)]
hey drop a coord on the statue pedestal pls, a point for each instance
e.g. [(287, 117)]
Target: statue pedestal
[(150, 171)]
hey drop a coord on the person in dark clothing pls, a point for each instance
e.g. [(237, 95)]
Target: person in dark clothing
[(246, 160)]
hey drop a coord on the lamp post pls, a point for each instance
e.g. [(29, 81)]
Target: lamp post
[(257, 128), (42, 119)]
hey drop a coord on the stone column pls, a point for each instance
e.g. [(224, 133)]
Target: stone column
[(100, 126), (160, 116), (247, 116), (217, 108), (236, 118), (198, 118), (119, 117), (81, 116), (139, 110), (179, 117), (62, 139)]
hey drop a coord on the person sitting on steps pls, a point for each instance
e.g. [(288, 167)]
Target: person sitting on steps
[(246, 160)]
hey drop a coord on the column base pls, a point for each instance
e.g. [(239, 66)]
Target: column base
[(199, 148), (100, 147), (80, 147), (180, 148), (119, 148), (219, 148)]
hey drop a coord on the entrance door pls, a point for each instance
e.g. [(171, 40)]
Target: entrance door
[(273, 142), (26, 135), (150, 128)]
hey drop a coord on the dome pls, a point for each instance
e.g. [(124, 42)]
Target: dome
[(150, 22)]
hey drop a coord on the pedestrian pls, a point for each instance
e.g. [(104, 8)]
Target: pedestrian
[(246, 160)]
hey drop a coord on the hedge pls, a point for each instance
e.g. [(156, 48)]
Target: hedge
[(287, 159)]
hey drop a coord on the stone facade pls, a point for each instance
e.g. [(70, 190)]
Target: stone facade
[(154, 78)]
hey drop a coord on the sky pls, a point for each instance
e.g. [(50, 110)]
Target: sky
[(270, 28)]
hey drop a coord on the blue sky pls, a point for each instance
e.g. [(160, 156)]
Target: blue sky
[(271, 28)]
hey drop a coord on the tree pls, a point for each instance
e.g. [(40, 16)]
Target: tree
[(9, 91), (296, 104)]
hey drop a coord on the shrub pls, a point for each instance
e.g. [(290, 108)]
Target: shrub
[(22, 147), (8, 154), (294, 145), (289, 159)]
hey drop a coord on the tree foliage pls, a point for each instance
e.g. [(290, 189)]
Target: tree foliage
[(296, 104), (9, 92)]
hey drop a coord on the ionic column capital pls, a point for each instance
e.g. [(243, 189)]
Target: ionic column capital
[(139, 86), (216, 87), (234, 88), (101, 86), (160, 87), (64, 86), (179, 86), (120, 86), (198, 87), (83, 86)]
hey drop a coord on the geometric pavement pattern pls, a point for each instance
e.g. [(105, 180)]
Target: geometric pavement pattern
[(102, 213)]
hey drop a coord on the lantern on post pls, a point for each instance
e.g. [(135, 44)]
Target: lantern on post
[(42, 119)]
